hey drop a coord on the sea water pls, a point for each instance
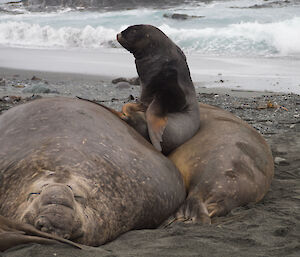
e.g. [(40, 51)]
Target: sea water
[(223, 28), (245, 44)]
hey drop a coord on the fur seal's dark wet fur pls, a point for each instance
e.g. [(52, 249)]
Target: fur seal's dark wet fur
[(72, 169), (168, 94)]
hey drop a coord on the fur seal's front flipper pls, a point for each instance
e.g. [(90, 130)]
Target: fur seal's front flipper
[(156, 122), (14, 233)]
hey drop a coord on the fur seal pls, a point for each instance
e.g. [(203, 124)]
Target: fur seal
[(168, 94), (225, 165), (72, 169)]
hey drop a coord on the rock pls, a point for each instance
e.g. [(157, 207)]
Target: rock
[(35, 78), (179, 16), (11, 99), (272, 4), (39, 89), (122, 85), (132, 81), (280, 161)]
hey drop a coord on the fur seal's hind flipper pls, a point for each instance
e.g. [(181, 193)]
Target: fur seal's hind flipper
[(14, 233), (156, 122)]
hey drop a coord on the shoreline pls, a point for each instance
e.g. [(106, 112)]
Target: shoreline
[(278, 75)]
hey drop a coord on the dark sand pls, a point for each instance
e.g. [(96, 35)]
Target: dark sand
[(268, 228)]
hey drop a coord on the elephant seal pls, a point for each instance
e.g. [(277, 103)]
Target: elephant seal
[(73, 169), (225, 165), (168, 95), (14, 233)]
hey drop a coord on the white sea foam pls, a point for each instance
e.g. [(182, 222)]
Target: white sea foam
[(248, 38), (280, 38), (24, 34)]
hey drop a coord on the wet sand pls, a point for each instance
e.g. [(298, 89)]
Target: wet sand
[(268, 228)]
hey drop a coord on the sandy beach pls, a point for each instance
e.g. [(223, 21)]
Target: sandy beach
[(269, 228)]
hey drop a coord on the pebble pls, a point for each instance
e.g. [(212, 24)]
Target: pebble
[(2, 82), (280, 161)]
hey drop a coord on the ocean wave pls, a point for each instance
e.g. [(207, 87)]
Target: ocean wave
[(248, 38), (277, 38), (24, 34)]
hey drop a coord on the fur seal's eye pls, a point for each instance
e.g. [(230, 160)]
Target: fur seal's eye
[(32, 195), (70, 187)]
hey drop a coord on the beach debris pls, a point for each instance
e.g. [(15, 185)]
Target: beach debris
[(10, 99), (2, 82), (18, 85), (39, 88), (132, 81), (180, 16), (281, 161), (271, 105)]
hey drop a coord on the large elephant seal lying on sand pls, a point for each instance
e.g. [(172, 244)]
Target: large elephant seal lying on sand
[(72, 169), (225, 165), (168, 95)]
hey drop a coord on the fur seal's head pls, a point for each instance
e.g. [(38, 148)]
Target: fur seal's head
[(142, 40)]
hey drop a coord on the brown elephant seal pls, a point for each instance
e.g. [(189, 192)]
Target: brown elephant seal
[(225, 165), (168, 94), (73, 169)]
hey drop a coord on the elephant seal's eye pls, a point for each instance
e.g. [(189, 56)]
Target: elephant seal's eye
[(31, 196)]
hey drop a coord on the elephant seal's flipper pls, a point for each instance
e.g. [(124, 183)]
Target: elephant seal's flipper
[(14, 233)]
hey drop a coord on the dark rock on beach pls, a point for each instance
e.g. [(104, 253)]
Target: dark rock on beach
[(180, 16), (271, 4), (132, 81)]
